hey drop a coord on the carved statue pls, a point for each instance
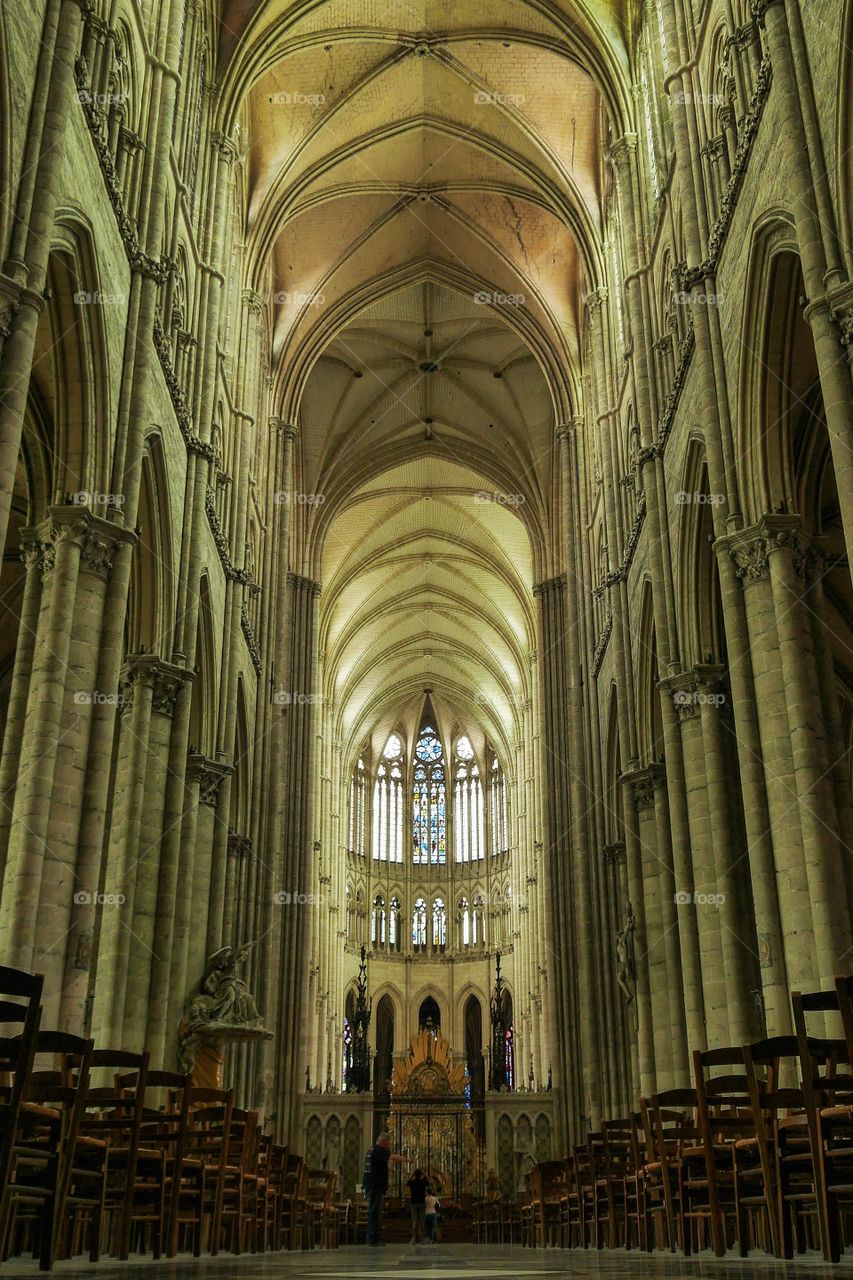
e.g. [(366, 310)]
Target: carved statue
[(624, 956), (224, 997), (222, 1010)]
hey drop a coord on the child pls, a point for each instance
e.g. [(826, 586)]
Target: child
[(431, 1216)]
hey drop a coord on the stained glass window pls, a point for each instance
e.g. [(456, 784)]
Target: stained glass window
[(439, 925), (429, 802), (419, 925), (468, 805), (356, 810), (377, 926), (388, 804), (394, 924), (498, 826)]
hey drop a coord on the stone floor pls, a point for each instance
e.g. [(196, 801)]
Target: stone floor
[(445, 1262)]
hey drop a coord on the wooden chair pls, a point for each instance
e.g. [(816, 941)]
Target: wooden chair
[(669, 1122), (724, 1116), (158, 1141), (240, 1193), (196, 1173), (292, 1215), (20, 1014), (828, 1098), (112, 1115), (619, 1160), (571, 1223), (276, 1167), (637, 1224), (267, 1196), (42, 1179), (548, 1179)]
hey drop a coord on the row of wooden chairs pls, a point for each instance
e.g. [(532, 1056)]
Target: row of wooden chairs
[(756, 1154), (99, 1152)]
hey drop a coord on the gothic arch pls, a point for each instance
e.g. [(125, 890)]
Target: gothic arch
[(649, 720), (150, 606), (770, 320), (701, 632), (203, 712)]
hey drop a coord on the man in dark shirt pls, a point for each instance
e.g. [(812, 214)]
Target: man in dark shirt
[(418, 1186), (375, 1183)]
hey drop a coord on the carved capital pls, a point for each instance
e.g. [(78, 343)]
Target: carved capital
[(209, 775), (751, 548), (614, 854), (224, 147), (644, 783)]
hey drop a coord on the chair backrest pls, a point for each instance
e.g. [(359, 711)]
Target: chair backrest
[(621, 1149), (723, 1103), (114, 1105), (820, 1056), (244, 1140), (57, 1083), (548, 1177), (20, 1015), (670, 1122)]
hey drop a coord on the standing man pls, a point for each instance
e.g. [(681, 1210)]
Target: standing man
[(374, 1182)]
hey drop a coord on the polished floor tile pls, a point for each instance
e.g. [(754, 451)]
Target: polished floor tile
[(446, 1262)]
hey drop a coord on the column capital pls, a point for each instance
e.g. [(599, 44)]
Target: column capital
[(165, 680), (224, 146), (209, 774), (623, 149), (644, 783), (751, 548), (286, 429), (253, 301)]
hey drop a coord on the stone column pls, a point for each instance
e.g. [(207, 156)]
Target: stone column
[(33, 232), (296, 862)]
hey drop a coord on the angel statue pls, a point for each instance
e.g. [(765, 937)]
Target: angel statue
[(624, 960), (223, 1009), (224, 997)]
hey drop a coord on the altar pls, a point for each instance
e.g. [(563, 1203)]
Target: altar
[(433, 1122)]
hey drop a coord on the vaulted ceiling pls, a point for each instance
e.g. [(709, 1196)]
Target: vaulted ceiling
[(424, 209)]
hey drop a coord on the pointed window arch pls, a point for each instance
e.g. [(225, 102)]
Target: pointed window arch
[(377, 924), (358, 788), (419, 925), (439, 925), (388, 803), (394, 911), (467, 804), (498, 824), (429, 801)]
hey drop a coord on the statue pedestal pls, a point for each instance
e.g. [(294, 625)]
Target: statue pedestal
[(202, 1048)]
